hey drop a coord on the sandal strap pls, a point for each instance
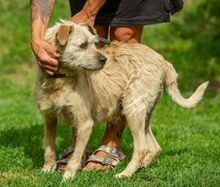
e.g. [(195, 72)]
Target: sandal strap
[(65, 156), (66, 152), (112, 162), (111, 151)]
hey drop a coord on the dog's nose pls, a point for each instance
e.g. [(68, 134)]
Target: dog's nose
[(102, 59)]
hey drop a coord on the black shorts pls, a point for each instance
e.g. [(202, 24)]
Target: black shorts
[(119, 13)]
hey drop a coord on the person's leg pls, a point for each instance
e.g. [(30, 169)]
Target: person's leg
[(127, 34), (114, 131), (111, 139)]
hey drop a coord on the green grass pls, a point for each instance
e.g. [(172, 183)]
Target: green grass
[(189, 138)]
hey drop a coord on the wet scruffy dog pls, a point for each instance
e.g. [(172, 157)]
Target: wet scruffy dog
[(93, 90)]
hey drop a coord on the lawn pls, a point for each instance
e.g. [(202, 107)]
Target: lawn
[(189, 138)]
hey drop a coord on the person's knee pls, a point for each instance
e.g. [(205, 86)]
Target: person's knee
[(127, 34)]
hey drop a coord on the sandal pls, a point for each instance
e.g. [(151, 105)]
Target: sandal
[(113, 157), (65, 156)]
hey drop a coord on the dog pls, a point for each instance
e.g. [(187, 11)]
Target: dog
[(98, 85)]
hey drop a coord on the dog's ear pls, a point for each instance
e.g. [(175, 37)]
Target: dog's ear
[(63, 34)]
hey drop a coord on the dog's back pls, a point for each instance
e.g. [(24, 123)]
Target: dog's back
[(131, 70)]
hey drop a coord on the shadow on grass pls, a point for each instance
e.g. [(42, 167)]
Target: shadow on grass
[(30, 139), (179, 151)]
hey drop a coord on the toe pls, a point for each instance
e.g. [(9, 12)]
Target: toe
[(94, 166), (62, 167)]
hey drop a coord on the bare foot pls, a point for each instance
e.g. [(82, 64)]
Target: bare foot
[(92, 165), (62, 167)]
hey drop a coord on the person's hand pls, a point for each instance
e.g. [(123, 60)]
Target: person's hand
[(88, 12), (82, 17), (46, 55)]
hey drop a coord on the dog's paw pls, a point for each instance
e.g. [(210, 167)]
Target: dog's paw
[(68, 176), (147, 161), (47, 168), (122, 175)]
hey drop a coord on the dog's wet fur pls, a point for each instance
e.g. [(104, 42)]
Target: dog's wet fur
[(94, 90)]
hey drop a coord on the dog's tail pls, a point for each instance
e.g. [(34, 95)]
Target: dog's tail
[(173, 91)]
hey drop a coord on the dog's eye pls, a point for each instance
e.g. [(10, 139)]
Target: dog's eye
[(84, 45)]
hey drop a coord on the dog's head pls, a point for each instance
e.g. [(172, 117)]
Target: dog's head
[(77, 45)]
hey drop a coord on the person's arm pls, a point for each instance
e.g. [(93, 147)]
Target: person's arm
[(89, 12), (47, 55)]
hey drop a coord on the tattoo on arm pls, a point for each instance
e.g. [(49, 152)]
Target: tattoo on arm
[(42, 9)]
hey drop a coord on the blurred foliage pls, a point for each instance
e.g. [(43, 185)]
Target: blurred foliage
[(201, 24), (191, 42)]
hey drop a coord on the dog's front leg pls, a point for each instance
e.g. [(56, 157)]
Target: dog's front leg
[(73, 136), (84, 130), (49, 143)]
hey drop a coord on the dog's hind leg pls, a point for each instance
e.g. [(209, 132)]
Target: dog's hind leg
[(49, 142), (152, 145), (136, 124), (83, 132)]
